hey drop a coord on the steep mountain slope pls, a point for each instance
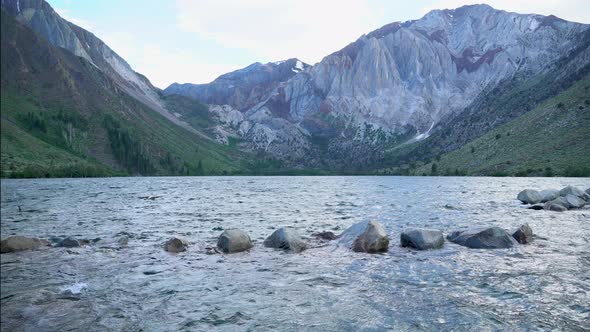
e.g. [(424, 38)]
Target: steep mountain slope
[(397, 84), (41, 18), (551, 139), (63, 116), (507, 101), (242, 88)]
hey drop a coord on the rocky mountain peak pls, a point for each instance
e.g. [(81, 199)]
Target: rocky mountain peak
[(242, 88)]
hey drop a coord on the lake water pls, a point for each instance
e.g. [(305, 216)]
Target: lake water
[(544, 285)]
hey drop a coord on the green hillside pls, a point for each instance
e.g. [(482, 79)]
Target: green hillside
[(551, 139), (61, 116)]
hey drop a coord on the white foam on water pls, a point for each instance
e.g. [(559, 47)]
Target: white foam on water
[(76, 288)]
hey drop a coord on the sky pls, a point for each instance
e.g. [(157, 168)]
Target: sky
[(195, 41)]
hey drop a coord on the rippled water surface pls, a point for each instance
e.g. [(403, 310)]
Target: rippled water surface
[(138, 286)]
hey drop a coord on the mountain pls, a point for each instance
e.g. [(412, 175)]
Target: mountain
[(404, 82), (551, 139), (242, 88), (472, 90), (42, 19), (62, 114)]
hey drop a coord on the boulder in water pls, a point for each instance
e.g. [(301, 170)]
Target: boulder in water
[(285, 238), (422, 239), (529, 196), (483, 238), (524, 234), (556, 205), (366, 236), (549, 195), (20, 243), (176, 245), (234, 240), (571, 190), (574, 201), (69, 242)]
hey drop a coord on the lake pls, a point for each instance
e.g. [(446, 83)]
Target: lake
[(133, 286)]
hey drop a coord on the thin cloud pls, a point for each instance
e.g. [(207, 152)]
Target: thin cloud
[(276, 30)]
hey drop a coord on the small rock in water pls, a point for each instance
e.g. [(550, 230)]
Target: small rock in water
[(176, 245), (574, 201), (69, 242), (529, 196), (422, 239), (234, 240), (218, 228), (571, 190), (327, 235), (524, 234), (20, 243), (211, 250), (536, 207), (366, 236), (483, 238), (285, 238), (548, 195)]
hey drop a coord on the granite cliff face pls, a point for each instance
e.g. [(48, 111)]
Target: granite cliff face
[(396, 83)]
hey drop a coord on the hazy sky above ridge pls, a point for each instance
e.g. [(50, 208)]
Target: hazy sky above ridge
[(194, 41)]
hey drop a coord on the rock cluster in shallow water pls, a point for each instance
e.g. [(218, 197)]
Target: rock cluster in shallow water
[(565, 199)]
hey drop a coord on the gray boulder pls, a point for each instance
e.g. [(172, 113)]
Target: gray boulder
[(69, 242), (483, 238), (422, 239), (176, 245), (285, 238), (549, 195), (574, 201), (558, 205), (366, 236), (571, 190), (529, 196), (524, 234), (234, 240), (20, 243)]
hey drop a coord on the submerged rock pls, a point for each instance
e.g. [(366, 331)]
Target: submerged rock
[(524, 234), (176, 245), (483, 238), (366, 236), (529, 196), (574, 201), (285, 238), (549, 195), (20, 243), (571, 190), (535, 207), (422, 239), (327, 235), (234, 240), (69, 242)]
